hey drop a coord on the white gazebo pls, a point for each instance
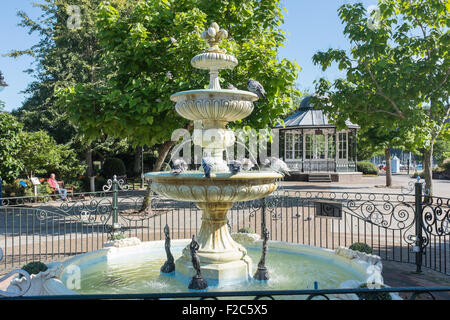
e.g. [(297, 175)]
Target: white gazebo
[(312, 144)]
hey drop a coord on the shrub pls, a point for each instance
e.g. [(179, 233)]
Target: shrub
[(446, 166), (42, 189), (35, 267), (118, 236), (15, 189), (361, 247), (85, 183), (246, 230), (374, 296), (367, 167), (113, 166)]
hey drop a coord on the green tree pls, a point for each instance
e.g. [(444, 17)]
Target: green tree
[(67, 53), (396, 71), (384, 139), (10, 163), (41, 155), (148, 53), (441, 150)]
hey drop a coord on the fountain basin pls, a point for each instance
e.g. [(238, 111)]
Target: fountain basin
[(221, 187), (136, 269), (214, 104)]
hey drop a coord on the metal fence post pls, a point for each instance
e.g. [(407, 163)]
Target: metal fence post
[(115, 210), (418, 220)]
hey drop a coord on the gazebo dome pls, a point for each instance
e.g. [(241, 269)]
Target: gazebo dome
[(307, 117)]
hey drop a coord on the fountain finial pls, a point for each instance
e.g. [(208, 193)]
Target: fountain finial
[(214, 35)]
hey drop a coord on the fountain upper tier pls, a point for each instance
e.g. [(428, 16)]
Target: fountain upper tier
[(212, 104)]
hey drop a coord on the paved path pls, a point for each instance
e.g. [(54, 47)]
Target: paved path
[(397, 274), (369, 184)]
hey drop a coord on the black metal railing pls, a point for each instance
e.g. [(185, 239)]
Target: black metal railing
[(404, 227), (411, 293)]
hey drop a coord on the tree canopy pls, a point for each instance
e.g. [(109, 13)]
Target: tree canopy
[(396, 70), (147, 53), (10, 164)]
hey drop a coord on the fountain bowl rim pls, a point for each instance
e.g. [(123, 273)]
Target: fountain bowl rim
[(215, 176), (176, 97)]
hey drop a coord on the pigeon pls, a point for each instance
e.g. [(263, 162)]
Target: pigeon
[(277, 165), (231, 87), (178, 166), (235, 166), (256, 87), (247, 164), (207, 164), (173, 40)]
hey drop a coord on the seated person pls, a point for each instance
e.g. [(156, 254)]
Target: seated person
[(55, 186)]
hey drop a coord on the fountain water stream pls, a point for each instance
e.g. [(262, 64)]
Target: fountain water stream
[(222, 259)]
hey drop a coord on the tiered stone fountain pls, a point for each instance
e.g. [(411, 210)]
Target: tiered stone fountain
[(222, 259)]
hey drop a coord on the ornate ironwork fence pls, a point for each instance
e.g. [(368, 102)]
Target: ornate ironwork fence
[(410, 227)]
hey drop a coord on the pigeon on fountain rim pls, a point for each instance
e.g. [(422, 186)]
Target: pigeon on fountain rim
[(235, 166), (277, 165), (207, 164), (257, 88), (178, 166)]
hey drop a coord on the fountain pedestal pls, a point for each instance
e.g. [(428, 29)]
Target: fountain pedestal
[(222, 259)]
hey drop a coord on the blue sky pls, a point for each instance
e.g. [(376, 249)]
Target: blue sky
[(312, 25)]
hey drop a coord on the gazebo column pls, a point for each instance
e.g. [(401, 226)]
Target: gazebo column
[(303, 150), (355, 138), (336, 141)]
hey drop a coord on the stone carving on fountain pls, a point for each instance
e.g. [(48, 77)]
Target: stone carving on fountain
[(223, 260)]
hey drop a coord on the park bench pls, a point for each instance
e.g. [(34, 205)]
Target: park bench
[(70, 189)]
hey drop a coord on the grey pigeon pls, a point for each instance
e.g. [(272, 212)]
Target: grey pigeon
[(231, 87), (257, 88), (178, 166), (207, 164), (277, 165), (235, 166)]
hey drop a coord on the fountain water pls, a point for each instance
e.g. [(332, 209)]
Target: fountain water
[(222, 259)]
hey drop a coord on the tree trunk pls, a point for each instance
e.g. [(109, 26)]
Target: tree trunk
[(90, 167), (164, 149), (137, 161), (162, 154), (387, 156), (428, 169)]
